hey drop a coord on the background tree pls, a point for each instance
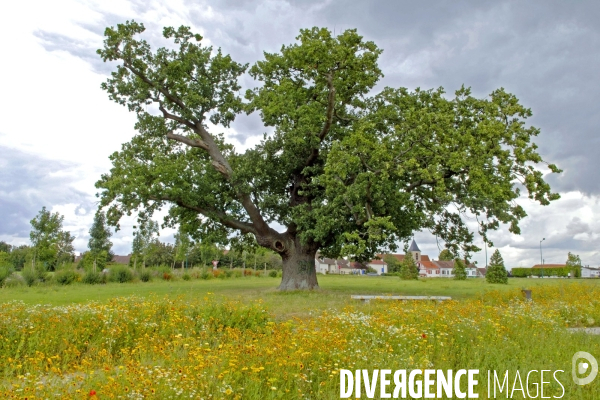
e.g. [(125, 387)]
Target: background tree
[(446, 255), (573, 260), (496, 273), (6, 268), (160, 254), (183, 245), (4, 259), (99, 243), (65, 251), (344, 171), (408, 268), (392, 263), (18, 256), (50, 243), (5, 247), (459, 271), (142, 240)]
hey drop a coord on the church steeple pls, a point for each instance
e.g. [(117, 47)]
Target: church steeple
[(416, 252)]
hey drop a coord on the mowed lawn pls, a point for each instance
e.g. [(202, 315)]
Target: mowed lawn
[(334, 292)]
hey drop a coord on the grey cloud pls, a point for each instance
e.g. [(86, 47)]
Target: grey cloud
[(576, 225), (76, 47), (29, 182), (546, 53)]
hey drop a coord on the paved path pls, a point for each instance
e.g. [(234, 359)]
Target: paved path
[(591, 331)]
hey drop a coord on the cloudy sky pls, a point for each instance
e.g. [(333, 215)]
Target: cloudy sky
[(57, 127)]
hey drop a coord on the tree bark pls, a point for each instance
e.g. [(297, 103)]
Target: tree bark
[(299, 271)]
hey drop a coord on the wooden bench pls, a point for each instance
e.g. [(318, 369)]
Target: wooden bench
[(365, 298)]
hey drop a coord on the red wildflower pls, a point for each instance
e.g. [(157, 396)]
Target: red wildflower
[(92, 392), (424, 336)]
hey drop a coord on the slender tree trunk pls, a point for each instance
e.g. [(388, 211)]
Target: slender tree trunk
[(299, 272)]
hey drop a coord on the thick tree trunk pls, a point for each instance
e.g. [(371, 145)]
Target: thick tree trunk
[(299, 271)]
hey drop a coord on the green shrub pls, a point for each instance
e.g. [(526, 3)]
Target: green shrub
[(206, 275), (237, 273), (121, 274), (186, 277), (460, 273), (165, 273), (41, 274), (195, 273), (5, 272), (145, 275), (94, 278), (66, 276), (29, 276), (14, 280), (273, 273), (228, 273), (408, 268)]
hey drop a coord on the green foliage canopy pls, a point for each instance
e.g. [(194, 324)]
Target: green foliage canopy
[(143, 237), (446, 255), (573, 260), (344, 171), (51, 244), (392, 263)]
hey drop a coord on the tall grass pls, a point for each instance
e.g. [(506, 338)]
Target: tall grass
[(165, 347)]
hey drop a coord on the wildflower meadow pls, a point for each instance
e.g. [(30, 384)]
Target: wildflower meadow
[(216, 346)]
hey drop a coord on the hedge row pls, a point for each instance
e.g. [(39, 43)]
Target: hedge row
[(563, 272)]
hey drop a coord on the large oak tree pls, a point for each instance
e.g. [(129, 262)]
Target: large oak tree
[(345, 171)]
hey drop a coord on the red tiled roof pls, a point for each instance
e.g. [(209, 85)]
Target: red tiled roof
[(121, 259), (377, 262), (357, 265), (429, 265), (444, 264), (450, 264), (398, 257)]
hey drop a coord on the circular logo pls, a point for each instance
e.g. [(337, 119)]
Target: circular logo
[(580, 367)]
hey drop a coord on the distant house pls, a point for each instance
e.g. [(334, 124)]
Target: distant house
[(590, 272), (357, 268), (446, 268), (436, 269), (427, 268), (325, 265), (121, 259), (379, 266)]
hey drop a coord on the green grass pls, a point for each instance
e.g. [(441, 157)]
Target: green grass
[(334, 292), (171, 337)]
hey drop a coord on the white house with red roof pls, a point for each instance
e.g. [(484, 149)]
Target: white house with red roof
[(427, 268), (378, 266)]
